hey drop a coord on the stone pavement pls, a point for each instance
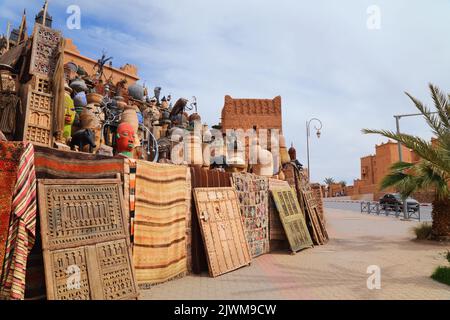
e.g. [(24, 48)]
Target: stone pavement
[(336, 270)]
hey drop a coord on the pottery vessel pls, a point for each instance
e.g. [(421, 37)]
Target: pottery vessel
[(136, 91), (78, 85), (94, 98)]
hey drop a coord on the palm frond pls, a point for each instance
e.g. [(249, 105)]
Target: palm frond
[(432, 177), (431, 119), (441, 104)]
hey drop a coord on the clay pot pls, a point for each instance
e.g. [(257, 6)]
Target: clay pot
[(206, 148), (80, 101), (292, 153), (136, 91), (94, 98), (78, 85), (284, 155), (121, 105), (282, 142), (194, 117), (265, 163), (130, 116), (88, 119), (193, 150)]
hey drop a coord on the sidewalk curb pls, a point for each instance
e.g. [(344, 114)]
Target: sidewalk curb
[(359, 201)]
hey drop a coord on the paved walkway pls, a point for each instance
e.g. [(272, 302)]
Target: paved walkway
[(334, 271)]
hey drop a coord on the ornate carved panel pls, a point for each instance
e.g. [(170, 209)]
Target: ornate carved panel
[(253, 195), (276, 231), (44, 53), (39, 110), (292, 218), (85, 240), (222, 230), (311, 206)]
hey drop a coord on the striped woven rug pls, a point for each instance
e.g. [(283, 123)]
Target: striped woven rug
[(22, 228), (58, 164), (163, 196), (10, 154)]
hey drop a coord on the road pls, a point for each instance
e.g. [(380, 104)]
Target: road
[(425, 211)]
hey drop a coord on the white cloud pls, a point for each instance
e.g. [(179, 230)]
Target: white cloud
[(318, 55)]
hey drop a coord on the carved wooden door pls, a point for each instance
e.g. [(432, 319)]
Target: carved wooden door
[(313, 212), (85, 240), (222, 230), (292, 218)]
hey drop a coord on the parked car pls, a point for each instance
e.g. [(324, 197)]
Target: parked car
[(394, 201)]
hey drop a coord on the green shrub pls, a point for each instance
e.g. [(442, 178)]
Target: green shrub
[(442, 275), (422, 230)]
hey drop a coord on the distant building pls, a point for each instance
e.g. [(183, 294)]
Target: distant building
[(254, 114), (251, 113), (375, 167), (72, 54)]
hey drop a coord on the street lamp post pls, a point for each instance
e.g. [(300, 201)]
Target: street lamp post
[(400, 154), (308, 134)]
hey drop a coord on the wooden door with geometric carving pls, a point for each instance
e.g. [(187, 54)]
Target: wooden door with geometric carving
[(292, 218), (222, 229), (85, 240)]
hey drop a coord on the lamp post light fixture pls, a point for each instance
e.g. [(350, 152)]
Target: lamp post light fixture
[(308, 134)]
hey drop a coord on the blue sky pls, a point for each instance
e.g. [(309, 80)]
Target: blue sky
[(318, 55)]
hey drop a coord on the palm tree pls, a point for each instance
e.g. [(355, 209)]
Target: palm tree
[(328, 181), (433, 170)]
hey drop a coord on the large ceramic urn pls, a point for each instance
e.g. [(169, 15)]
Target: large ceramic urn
[(265, 163), (136, 91), (284, 155)]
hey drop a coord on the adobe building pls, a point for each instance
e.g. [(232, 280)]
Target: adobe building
[(127, 72), (251, 114), (375, 167)]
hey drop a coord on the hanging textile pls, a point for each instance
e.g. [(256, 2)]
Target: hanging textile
[(22, 225)]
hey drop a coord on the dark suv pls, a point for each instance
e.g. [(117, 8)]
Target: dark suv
[(394, 201)]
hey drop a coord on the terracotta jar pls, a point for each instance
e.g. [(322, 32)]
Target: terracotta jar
[(136, 91), (88, 119), (193, 150), (78, 85), (265, 163), (94, 98)]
